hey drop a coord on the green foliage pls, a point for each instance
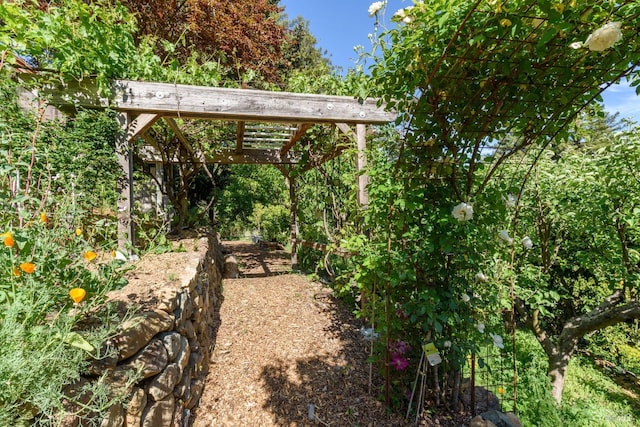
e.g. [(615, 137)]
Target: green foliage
[(248, 186), (75, 38), (271, 222), (45, 251)]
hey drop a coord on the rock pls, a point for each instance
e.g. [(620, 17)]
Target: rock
[(498, 419), (149, 361), (195, 360), (182, 359), (105, 360), (197, 386), (159, 414), (168, 299), (485, 400), (515, 421), (187, 330), (171, 341), (183, 389), (137, 332), (77, 395), (114, 418), (230, 270), (186, 304), (137, 403), (478, 421), (163, 384)]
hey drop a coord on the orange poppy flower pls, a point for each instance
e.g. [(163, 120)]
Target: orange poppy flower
[(43, 218), (28, 267), (8, 239), (90, 256), (77, 295), (16, 271), (500, 390)]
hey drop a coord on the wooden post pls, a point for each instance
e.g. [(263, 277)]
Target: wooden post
[(361, 163), (161, 204), (293, 197), (125, 185)]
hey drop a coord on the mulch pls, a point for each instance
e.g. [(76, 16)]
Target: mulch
[(287, 353)]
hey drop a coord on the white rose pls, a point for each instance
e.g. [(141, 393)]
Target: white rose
[(604, 37), (462, 212), (504, 235), (481, 277), (497, 340), (375, 7)]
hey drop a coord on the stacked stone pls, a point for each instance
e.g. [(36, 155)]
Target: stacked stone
[(161, 356)]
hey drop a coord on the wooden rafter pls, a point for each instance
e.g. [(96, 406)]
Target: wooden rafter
[(302, 128), (240, 137)]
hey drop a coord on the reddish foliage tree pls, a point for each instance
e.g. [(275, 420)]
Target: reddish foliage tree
[(243, 34)]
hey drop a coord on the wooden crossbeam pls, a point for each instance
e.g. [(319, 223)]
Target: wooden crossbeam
[(325, 158), (253, 156), (347, 130), (219, 103), (140, 125), (323, 247)]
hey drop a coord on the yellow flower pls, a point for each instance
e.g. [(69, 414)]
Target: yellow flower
[(90, 256), (28, 267), (7, 237), (505, 22), (16, 271), (77, 295), (500, 390), (43, 217), (78, 232)]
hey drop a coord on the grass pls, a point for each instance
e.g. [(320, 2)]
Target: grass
[(592, 398)]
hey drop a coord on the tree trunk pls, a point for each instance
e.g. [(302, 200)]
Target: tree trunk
[(559, 349), (558, 364)]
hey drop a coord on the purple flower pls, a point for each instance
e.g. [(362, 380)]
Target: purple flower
[(399, 347), (398, 362)]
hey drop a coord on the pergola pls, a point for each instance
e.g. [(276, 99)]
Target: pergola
[(268, 126)]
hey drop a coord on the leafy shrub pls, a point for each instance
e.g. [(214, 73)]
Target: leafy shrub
[(271, 221)]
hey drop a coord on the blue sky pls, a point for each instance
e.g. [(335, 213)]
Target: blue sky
[(339, 25)]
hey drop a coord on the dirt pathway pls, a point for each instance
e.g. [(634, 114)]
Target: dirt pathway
[(285, 343)]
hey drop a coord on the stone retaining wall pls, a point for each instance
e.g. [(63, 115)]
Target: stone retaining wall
[(165, 349)]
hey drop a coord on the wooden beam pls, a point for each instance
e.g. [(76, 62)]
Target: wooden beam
[(252, 156), (325, 158), (140, 125), (323, 247), (218, 103), (302, 128), (347, 130), (178, 133), (183, 139), (240, 136)]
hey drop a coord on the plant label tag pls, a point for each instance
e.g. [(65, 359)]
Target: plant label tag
[(432, 354)]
